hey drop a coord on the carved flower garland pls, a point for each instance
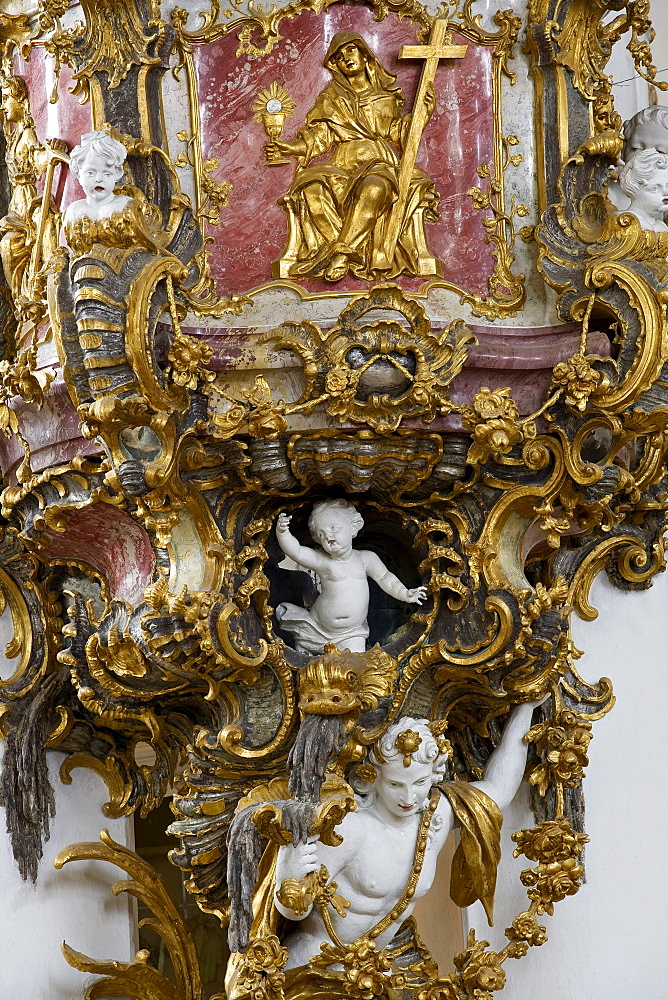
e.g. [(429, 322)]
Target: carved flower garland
[(263, 976), (187, 358), (339, 378), (366, 971), (479, 972), (557, 848), (526, 928), (494, 422), (579, 380), (565, 741), (548, 884)]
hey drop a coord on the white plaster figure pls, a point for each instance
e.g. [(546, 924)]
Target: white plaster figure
[(339, 615), (644, 180), (648, 129), (373, 864), (97, 163)]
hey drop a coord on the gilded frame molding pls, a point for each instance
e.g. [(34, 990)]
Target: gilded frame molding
[(507, 292)]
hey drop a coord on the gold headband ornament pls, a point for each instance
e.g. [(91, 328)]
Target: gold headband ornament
[(407, 743)]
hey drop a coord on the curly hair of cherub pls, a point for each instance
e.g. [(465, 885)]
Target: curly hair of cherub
[(101, 144), (641, 166), (658, 114), (408, 738), (342, 507)]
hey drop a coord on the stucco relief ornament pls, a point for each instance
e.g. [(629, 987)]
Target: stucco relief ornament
[(271, 107), (339, 614), (364, 209), (29, 230)]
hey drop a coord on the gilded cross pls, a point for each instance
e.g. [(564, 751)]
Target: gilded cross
[(438, 47)]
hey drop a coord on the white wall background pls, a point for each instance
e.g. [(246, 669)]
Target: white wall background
[(630, 90), (609, 941), (660, 43), (72, 905)]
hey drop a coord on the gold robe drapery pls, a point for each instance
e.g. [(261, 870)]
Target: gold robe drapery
[(473, 874), (365, 132)]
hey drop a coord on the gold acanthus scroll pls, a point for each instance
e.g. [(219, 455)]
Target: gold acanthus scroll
[(437, 48)]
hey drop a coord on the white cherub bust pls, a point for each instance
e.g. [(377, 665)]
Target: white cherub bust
[(648, 129), (339, 615), (97, 163), (644, 179)]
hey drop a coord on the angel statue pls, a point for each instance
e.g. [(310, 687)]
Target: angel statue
[(97, 163), (326, 914), (338, 209), (29, 231), (339, 615)]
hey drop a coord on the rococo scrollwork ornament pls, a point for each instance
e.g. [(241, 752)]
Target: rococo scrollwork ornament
[(281, 500)]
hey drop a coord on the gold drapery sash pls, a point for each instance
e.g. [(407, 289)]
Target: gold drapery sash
[(479, 852)]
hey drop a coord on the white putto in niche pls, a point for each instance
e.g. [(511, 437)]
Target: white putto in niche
[(644, 180), (97, 163), (339, 615), (648, 129)]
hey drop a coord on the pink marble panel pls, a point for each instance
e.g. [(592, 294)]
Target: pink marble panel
[(528, 388), (53, 433), (458, 138), (499, 350), (524, 347), (66, 119), (109, 540)]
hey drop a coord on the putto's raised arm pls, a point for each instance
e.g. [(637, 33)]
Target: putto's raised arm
[(306, 557)]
